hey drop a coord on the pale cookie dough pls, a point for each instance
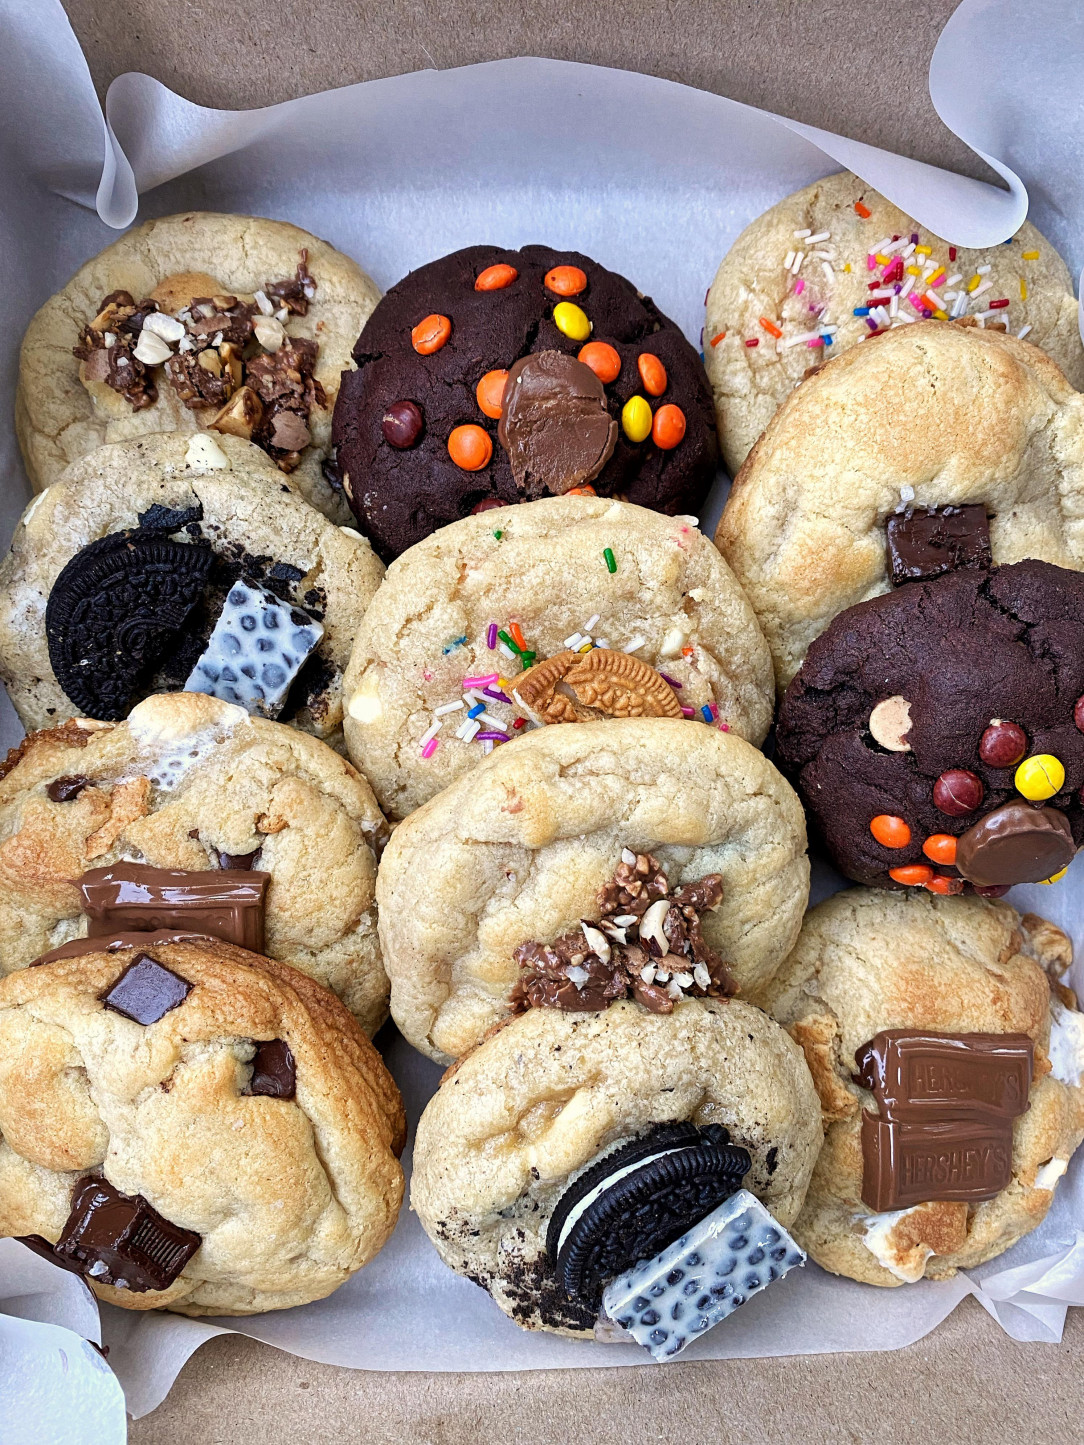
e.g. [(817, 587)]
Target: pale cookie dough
[(537, 1103), (926, 416), (249, 515), (868, 961), (185, 778), (829, 276), (289, 1195), (671, 602), (60, 418), (517, 850)]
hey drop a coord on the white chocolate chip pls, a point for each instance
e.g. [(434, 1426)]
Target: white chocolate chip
[(160, 323), (889, 722), (366, 707), (205, 455), (151, 350), (672, 643)]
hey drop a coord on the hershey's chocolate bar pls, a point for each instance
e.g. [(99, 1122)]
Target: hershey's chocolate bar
[(919, 1076), (126, 897), (968, 1161)]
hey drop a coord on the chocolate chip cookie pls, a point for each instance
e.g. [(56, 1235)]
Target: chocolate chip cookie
[(190, 1126), (948, 1058), (177, 562), (591, 384), (935, 733), (233, 324), (200, 817)]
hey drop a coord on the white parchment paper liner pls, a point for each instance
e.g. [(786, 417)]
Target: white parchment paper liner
[(655, 180)]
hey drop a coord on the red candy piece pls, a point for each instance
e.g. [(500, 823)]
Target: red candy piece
[(958, 792), (1078, 713), (1004, 744)]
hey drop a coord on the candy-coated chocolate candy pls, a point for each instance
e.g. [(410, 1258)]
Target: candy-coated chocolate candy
[(1078, 713), (495, 278), (958, 792), (1003, 744), (992, 890), (1055, 877), (402, 424), (636, 419), (652, 373), (470, 447), (947, 887), (486, 505), (490, 391), (566, 281), (941, 847), (569, 319), (603, 360), (1040, 777), (430, 334), (912, 874), (668, 427), (890, 831)]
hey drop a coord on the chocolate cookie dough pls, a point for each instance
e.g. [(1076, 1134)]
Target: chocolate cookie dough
[(935, 733), (445, 352)]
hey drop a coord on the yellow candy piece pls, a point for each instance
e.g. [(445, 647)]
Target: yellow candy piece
[(636, 419), (1040, 777), (570, 319), (1054, 877)]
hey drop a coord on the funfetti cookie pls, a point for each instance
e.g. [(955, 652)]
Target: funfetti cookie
[(835, 264), (560, 1159), (232, 324), (644, 857), (190, 1126), (948, 1058), (492, 376), (176, 562), (936, 734), (193, 815), (567, 609), (926, 417)]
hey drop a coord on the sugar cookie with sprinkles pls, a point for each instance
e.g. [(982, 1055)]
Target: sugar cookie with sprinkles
[(490, 377), (570, 1148), (836, 263), (567, 609)]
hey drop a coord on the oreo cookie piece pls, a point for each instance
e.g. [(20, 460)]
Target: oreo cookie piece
[(637, 1200), (116, 610)]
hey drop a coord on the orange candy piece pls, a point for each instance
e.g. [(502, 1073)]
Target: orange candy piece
[(566, 280), (587, 490), (941, 847), (602, 359), (945, 886), (430, 334), (890, 832), (913, 874), (653, 375), (668, 427), (470, 447), (495, 278), (490, 391)]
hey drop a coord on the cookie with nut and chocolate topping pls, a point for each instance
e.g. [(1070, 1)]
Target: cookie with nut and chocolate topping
[(603, 391), (199, 321), (935, 733), (194, 1127)]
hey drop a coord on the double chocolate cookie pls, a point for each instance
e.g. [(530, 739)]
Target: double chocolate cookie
[(935, 733), (590, 383)]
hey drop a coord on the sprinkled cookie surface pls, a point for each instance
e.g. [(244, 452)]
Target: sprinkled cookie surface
[(560, 610), (416, 426), (835, 264)]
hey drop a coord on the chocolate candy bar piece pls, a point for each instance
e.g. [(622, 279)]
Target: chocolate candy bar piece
[(730, 1255), (257, 648), (121, 1240), (226, 903), (146, 991), (927, 541), (274, 1073), (920, 1076), (969, 1161)]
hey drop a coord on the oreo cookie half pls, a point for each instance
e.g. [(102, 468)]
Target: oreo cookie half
[(116, 610), (637, 1200)]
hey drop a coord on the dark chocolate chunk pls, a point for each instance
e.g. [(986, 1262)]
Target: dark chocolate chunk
[(121, 1240), (927, 541), (1016, 843), (555, 425), (226, 903), (644, 1211), (63, 790), (48, 1251), (114, 612), (242, 862), (274, 1073), (146, 991), (158, 518)]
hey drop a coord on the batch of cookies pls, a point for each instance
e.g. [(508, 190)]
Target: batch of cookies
[(373, 659)]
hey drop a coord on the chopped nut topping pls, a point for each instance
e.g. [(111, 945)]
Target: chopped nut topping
[(648, 945)]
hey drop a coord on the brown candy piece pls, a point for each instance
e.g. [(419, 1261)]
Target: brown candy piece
[(65, 790), (958, 792), (575, 687), (554, 424), (121, 1240), (227, 903), (402, 424), (1003, 744), (1016, 843), (927, 541), (904, 1166), (146, 991), (274, 1073)]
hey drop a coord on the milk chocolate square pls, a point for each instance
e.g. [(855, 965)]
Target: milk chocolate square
[(917, 1075), (927, 541), (133, 897), (906, 1165)]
